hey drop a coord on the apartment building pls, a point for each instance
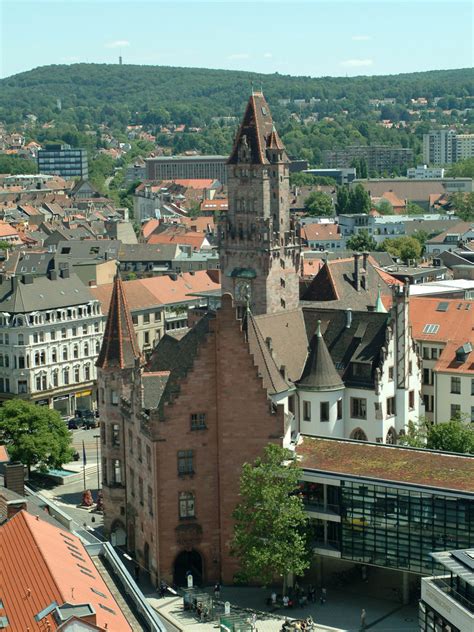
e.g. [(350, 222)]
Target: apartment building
[(187, 168), (379, 158), (51, 329), (61, 159), (446, 146)]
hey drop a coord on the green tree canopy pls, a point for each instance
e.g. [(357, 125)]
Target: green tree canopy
[(414, 209), (362, 241), (34, 435), (456, 435), (320, 204), (269, 532), (404, 248), (384, 207), (342, 202), (462, 169), (300, 179), (463, 205), (359, 200), (15, 165)]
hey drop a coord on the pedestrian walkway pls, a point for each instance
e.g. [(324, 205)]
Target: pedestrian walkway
[(341, 612)]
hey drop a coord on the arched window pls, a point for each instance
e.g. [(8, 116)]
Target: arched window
[(86, 349), (65, 353), (55, 376), (391, 437), (43, 357), (37, 358), (65, 376), (54, 354), (97, 346), (21, 339), (63, 332), (87, 371), (77, 374), (75, 352), (358, 435)]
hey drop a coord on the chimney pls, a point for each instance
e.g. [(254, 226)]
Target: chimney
[(27, 279), (365, 259), (53, 275), (14, 283), (357, 270), (15, 477), (348, 318), (65, 274)]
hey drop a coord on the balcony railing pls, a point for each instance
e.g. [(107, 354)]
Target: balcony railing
[(314, 505), (445, 587)]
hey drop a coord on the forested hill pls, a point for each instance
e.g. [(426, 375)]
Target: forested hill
[(194, 95)]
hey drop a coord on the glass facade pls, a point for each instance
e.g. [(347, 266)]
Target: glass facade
[(398, 527), (392, 527), (431, 621)]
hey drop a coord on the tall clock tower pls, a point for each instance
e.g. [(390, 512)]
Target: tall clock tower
[(259, 244)]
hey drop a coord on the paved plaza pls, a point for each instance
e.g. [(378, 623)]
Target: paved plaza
[(341, 612)]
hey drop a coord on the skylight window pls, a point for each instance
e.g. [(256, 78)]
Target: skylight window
[(442, 307), (431, 329)]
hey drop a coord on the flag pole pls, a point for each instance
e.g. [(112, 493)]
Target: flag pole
[(84, 460)]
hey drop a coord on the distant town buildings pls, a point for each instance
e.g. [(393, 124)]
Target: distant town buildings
[(63, 160), (446, 146), (379, 158), (341, 176)]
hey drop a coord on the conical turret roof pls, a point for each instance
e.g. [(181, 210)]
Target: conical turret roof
[(119, 346), (319, 373)]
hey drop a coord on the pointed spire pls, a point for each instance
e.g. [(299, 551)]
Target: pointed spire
[(255, 131), (119, 346), (319, 373), (379, 306)]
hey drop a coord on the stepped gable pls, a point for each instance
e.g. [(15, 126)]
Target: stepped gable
[(176, 357), (319, 373), (273, 380), (257, 131), (119, 346)]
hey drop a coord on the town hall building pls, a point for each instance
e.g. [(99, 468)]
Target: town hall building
[(265, 367)]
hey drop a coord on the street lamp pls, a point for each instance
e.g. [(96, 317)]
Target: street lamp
[(97, 437)]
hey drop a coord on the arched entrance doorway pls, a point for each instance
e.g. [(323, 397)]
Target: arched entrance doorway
[(118, 535), (187, 561), (358, 434)]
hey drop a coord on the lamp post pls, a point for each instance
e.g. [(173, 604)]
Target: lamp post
[(97, 437)]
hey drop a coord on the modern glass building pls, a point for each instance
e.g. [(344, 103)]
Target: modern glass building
[(63, 160), (386, 506)]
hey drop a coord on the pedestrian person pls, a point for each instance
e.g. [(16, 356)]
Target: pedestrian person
[(274, 598), (363, 617), (286, 601), (217, 591), (324, 596)]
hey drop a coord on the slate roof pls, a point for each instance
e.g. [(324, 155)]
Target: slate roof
[(154, 384), (147, 252), (258, 129), (387, 463), (87, 249), (42, 293), (119, 346), (319, 373), (41, 564), (335, 284), (273, 380), (458, 229)]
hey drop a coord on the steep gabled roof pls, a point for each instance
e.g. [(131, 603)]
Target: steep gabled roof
[(119, 346), (257, 130), (273, 380), (319, 373)]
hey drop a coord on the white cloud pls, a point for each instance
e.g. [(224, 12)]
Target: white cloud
[(239, 56), (356, 63), (360, 38), (268, 55), (117, 44)]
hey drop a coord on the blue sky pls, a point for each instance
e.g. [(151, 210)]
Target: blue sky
[(309, 37)]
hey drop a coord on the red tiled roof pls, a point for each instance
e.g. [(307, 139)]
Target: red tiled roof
[(388, 463), (6, 230), (311, 267), (38, 567), (149, 227), (447, 362), (321, 232), (454, 324), (192, 183), (188, 239)]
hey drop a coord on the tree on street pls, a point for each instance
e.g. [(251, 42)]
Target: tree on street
[(456, 435), (34, 435), (362, 241), (319, 204), (404, 248), (269, 533)]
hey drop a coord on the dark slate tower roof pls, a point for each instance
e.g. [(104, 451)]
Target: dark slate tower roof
[(319, 373), (259, 132), (119, 346)]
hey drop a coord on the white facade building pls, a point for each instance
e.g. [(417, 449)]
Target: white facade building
[(423, 172), (51, 330), (439, 147)]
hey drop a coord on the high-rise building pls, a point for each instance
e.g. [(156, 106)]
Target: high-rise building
[(379, 158), (259, 245), (445, 146), (63, 160)]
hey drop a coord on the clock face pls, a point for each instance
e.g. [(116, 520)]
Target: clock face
[(242, 291)]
